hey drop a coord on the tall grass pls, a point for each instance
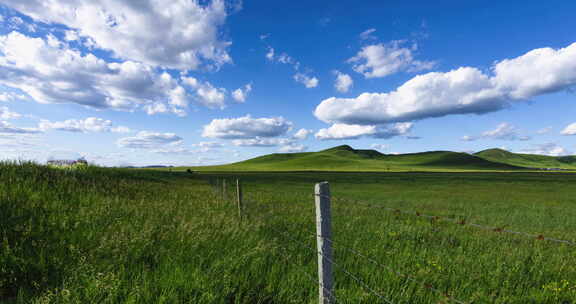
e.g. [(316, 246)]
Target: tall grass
[(132, 236)]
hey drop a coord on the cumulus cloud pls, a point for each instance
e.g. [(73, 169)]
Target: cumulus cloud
[(241, 94), (207, 94), (569, 130), (308, 81), (171, 34), (550, 149), (343, 82), (149, 140), (302, 134), (380, 60), (50, 72), (246, 127), (6, 114), (504, 131), (346, 131), (465, 90), (90, 124), (7, 128), (292, 148)]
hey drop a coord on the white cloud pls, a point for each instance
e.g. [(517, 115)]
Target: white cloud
[(283, 58), (172, 34), (71, 35), (569, 130), (270, 54), (50, 72), (7, 128), (469, 138), (307, 81), (292, 148), (505, 131), (550, 149), (380, 60), (545, 130), (302, 134), (149, 140), (246, 127), (11, 96), (90, 124), (343, 82), (121, 129), (367, 34), (5, 114), (241, 94), (380, 147), (345, 131), (464, 90), (537, 72), (209, 144), (461, 91), (261, 142), (207, 94)]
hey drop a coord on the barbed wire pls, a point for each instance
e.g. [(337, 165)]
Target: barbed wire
[(389, 268), (408, 277), (309, 276), (354, 277)]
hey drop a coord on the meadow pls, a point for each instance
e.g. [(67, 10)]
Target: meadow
[(101, 235)]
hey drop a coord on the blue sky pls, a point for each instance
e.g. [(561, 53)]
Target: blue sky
[(204, 82)]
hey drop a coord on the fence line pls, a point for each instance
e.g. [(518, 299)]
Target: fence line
[(358, 280), (354, 277), (436, 217)]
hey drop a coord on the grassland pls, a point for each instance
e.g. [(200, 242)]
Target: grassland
[(143, 236), (528, 160)]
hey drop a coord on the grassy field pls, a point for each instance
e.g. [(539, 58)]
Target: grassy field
[(142, 236)]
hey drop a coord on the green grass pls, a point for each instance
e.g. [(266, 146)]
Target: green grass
[(528, 160), (144, 236), (345, 158)]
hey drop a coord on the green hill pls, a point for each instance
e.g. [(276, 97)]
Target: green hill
[(528, 160), (346, 158)]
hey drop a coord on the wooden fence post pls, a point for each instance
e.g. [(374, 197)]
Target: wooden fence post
[(323, 238), (239, 198)]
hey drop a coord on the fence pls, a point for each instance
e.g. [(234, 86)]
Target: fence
[(324, 243)]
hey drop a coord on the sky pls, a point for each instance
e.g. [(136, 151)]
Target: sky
[(187, 82)]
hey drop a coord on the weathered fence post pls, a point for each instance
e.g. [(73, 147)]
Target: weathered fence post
[(239, 197), (323, 237)]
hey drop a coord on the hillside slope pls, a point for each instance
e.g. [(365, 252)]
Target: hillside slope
[(346, 158), (528, 160)]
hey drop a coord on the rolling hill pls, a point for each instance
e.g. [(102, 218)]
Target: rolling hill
[(346, 158), (528, 160)]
